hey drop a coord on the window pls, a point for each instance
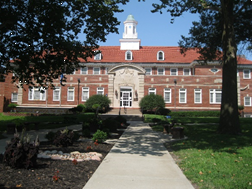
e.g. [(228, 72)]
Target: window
[(152, 91), (247, 101), (96, 71), (97, 55), (160, 71), (56, 94), (160, 55), (186, 71), (36, 94), (197, 96), (70, 94), (182, 95), (215, 96), (148, 71), (14, 97), (84, 70), (246, 74), (85, 93), (167, 95), (128, 55), (173, 71), (100, 91), (106, 70)]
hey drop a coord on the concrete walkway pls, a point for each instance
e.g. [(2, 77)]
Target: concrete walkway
[(138, 160)]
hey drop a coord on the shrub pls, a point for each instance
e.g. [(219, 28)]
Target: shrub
[(121, 119), (65, 138), (12, 105), (86, 129), (102, 100), (20, 153), (152, 103), (99, 136), (111, 124), (195, 114), (163, 111), (50, 136), (81, 108)]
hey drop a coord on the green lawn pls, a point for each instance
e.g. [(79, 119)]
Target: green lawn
[(211, 160)]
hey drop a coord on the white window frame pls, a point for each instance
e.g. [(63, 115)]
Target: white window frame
[(36, 91), (167, 95), (213, 96), (100, 91), (189, 71), (84, 70), (95, 72), (172, 71), (197, 92), (70, 93), (159, 53), (14, 97), (106, 71), (126, 55), (97, 55), (148, 73), (246, 75), (161, 73), (56, 94), (152, 91), (182, 91), (85, 90), (247, 101)]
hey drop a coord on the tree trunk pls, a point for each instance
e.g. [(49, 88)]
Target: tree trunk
[(229, 119)]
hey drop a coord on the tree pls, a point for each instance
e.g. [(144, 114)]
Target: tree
[(39, 39), (152, 103), (223, 25)]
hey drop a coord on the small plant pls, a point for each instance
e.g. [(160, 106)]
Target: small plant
[(55, 176), (121, 119), (99, 136), (86, 129), (74, 161), (12, 105), (50, 136), (64, 138), (20, 153), (110, 124), (96, 143), (89, 148)]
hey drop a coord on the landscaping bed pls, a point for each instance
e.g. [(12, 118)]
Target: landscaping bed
[(55, 173)]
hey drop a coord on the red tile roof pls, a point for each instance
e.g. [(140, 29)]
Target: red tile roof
[(148, 54)]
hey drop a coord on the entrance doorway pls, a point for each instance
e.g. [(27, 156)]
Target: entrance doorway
[(125, 97)]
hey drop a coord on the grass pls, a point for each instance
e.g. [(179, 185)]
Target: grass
[(211, 160)]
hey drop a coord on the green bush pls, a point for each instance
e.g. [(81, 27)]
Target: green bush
[(99, 136), (163, 111), (102, 100), (12, 105), (81, 108), (152, 103), (86, 129), (110, 124), (195, 114)]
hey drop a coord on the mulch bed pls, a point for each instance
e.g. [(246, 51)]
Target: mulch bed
[(69, 175)]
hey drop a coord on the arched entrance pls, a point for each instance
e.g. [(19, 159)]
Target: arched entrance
[(126, 85)]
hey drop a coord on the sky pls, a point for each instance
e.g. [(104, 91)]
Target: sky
[(154, 29)]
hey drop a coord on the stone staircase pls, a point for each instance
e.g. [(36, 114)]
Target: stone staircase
[(129, 114)]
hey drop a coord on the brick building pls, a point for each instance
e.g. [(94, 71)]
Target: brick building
[(130, 71)]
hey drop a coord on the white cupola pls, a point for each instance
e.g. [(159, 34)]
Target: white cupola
[(130, 41)]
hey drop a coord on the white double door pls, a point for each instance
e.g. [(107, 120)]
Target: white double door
[(125, 97)]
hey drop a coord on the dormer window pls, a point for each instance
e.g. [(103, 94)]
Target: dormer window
[(160, 55), (128, 55), (97, 55)]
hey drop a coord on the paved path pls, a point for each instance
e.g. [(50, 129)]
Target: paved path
[(138, 160)]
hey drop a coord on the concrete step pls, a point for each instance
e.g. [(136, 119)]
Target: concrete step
[(128, 117)]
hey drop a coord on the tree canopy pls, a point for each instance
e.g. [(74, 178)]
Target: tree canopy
[(39, 39), (223, 25)]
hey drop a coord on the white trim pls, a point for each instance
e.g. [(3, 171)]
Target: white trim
[(158, 58), (70, 91), (173, 69), (100, 90), (33, 94), (97, 55), (189, 73), (182, 91), (85, 89), (245, 74), (249, 101), (84, 70), (55, 90), (149, 72), (213, 93), (163, 72), (12, 97), (130, 54), (167, 91), (94, 72), (152, 90), (198, 91)]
